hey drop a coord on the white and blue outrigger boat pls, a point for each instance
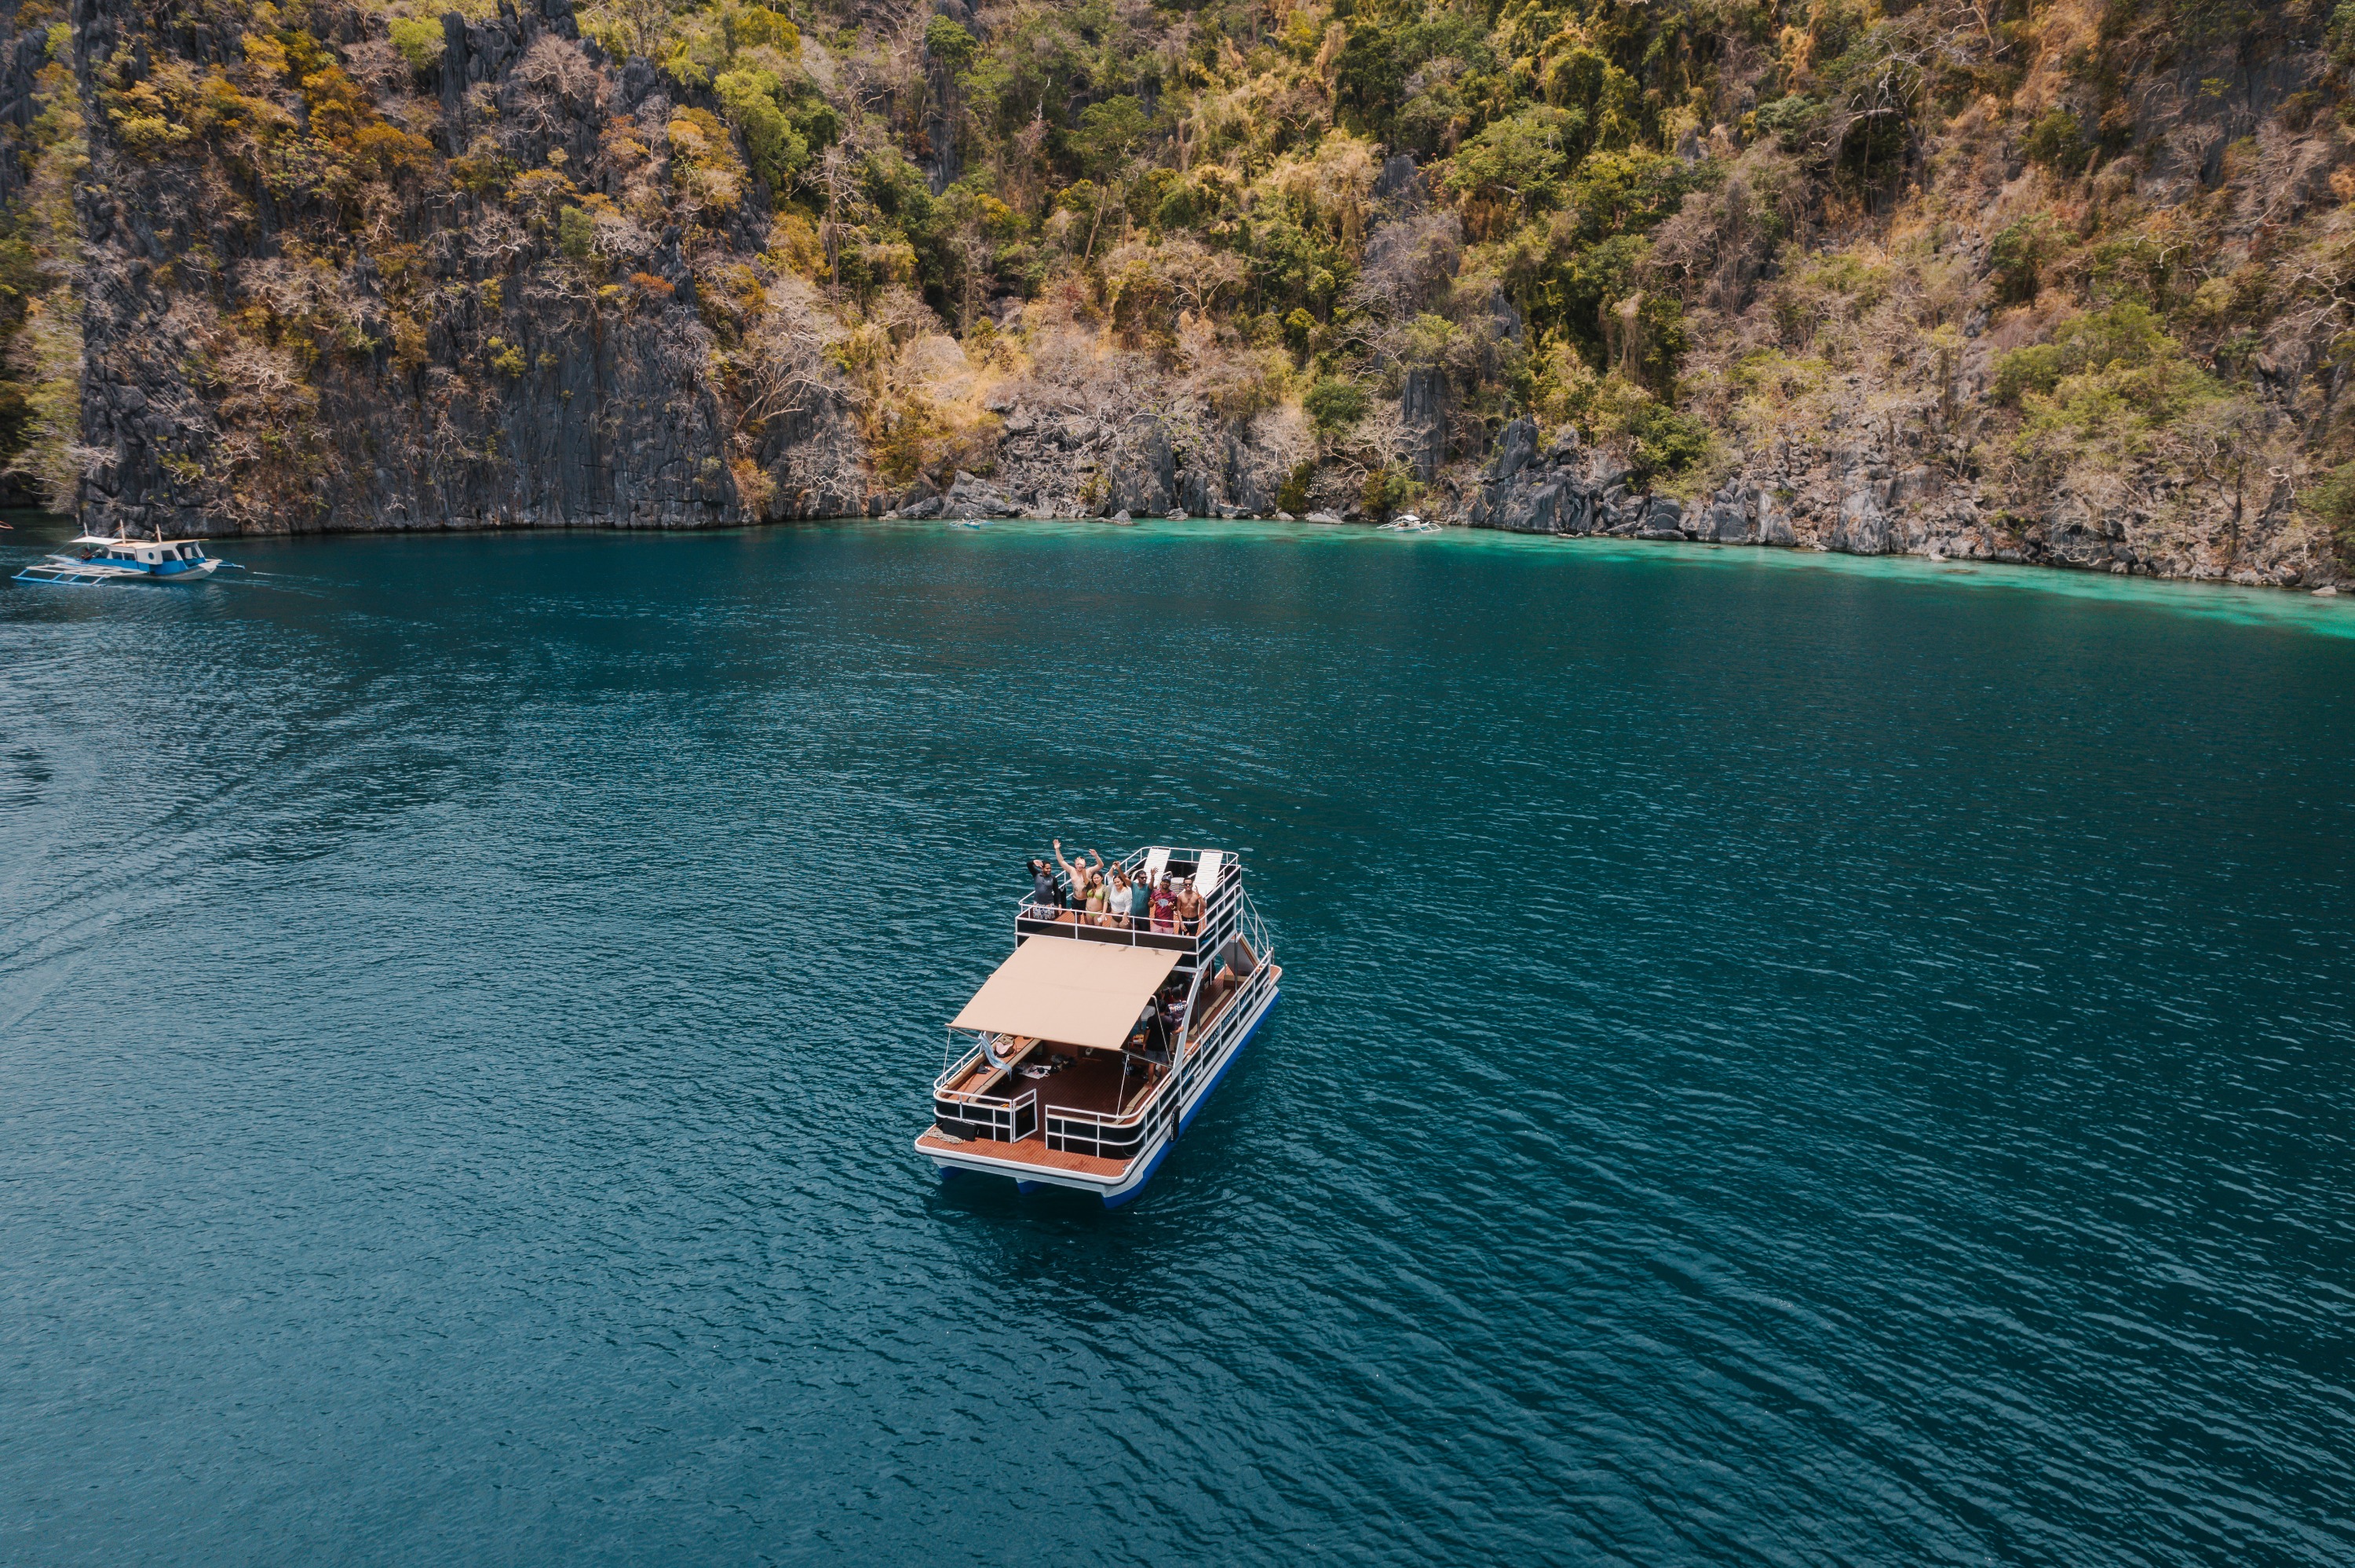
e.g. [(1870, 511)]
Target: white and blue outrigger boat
[(1082, 1059), (93, 559)]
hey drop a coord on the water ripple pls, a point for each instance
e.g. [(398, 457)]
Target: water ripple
[(1782, 1061)]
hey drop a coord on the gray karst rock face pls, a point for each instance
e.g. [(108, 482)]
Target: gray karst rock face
[(1195, 490), (1574, 513), (504, 396), (1400, 183), (1513, 496), (1862, 528), (1514, 448), (1241, 478), (1143, 469), (1664, 518), (1422, 404), (971, 497), (1726, 517)]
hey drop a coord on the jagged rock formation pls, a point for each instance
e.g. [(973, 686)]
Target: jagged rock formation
[(389, 345)]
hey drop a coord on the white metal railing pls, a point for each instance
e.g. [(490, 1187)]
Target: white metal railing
[(988, 1103), (1002, 1114), (1107, 926), (1192, 1056), (1116, 924), (950, 1075)]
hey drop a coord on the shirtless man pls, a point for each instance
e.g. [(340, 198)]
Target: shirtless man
[(1189, 908), (1080, 875)]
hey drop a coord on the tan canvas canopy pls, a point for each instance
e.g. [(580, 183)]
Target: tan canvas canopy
[(1072, 992)]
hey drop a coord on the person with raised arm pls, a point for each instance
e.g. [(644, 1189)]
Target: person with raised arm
[(1076, 872)]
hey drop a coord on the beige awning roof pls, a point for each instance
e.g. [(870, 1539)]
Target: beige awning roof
[(1072, 991)]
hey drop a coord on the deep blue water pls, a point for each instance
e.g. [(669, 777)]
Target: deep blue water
[(1783, 1060)]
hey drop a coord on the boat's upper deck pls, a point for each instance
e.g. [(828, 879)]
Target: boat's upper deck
[(1214, 873)]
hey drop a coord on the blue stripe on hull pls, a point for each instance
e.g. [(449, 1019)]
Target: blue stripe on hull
[(1186, 1119), (80, 577), (1115, 1200)]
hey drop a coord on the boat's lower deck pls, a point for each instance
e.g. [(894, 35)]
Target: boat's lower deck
[(1036, 1148), (1076, 1078)]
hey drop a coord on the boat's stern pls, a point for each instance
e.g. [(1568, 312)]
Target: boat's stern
[(1032, 1164)]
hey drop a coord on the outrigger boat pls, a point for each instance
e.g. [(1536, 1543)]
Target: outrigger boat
[(95, 558), (1083, 1058)]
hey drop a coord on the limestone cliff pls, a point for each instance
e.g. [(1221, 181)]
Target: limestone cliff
[(326, 289), (2056, 280)]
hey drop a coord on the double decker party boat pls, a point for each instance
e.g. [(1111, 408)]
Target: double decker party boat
[(1082, 1058)]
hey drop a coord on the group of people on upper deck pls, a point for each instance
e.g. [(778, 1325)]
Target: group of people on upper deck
[(1104, 895)]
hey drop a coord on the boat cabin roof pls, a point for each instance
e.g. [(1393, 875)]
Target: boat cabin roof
[(134, 544), (1075, 993)]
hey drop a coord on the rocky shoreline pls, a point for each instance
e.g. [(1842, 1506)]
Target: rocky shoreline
[(1856, 508), (1565, 488)]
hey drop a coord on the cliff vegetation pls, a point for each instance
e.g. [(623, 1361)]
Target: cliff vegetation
[(2067, 281)]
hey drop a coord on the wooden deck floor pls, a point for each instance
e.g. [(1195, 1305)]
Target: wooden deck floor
[(1091, 1082), (1029, 1151)]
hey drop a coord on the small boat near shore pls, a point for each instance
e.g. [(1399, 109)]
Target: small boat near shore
[(93, 559), (1091, 1049)]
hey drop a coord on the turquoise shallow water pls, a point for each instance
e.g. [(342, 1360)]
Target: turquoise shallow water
[(1783, 1059)]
